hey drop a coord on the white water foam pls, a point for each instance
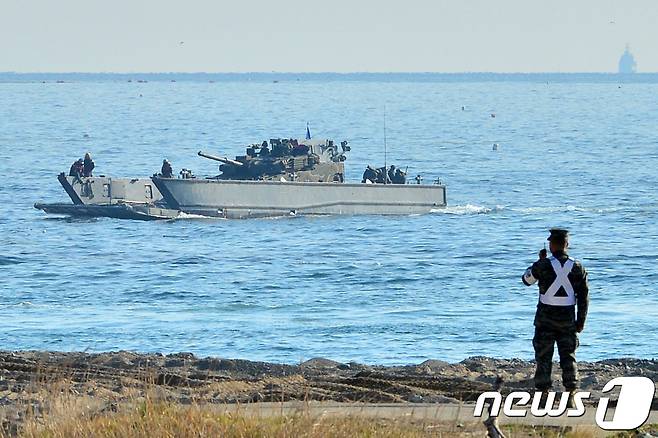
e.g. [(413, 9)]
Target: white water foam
[(549, 209), (183, 215), (471, 209), (468, 209), (599, 210)]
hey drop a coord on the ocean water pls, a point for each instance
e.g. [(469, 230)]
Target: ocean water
[(579, 152)]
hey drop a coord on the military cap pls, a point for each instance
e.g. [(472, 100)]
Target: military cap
[(558, 234)]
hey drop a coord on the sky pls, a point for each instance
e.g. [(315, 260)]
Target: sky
[(326, 35)]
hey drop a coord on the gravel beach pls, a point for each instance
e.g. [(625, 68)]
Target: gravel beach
[(103, 381)]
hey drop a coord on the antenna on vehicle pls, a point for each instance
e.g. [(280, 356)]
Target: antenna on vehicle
[(385, 166)]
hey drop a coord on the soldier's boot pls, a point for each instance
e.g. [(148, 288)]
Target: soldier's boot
[(544, 399), (571, 402)]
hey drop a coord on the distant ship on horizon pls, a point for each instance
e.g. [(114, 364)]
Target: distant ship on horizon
[(627, 64)]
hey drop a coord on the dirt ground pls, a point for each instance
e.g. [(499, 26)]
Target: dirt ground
[(29, 379)]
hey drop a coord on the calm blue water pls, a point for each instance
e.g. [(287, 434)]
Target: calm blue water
[(576, 153)]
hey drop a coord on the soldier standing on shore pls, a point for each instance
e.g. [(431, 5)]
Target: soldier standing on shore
[(562, 287)]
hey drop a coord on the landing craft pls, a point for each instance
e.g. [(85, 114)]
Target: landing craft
[(287, 176), (121, 198), (281, 177)]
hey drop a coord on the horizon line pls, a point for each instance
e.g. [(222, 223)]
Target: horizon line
[(323, 72)]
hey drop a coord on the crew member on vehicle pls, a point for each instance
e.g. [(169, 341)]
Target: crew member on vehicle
[(166, 171), (77, 168), (399, 177), (369, 176), (87, 165), (391, 173)]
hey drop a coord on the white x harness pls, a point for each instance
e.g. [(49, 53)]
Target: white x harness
[(561, 281)]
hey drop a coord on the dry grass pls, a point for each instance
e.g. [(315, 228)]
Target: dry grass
[(57, 405), (517, 431), (61, 412), (65, 416), (158, 419), (149, 418)]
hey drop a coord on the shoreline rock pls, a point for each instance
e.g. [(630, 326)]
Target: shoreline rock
[(317, 378), (31, 380)]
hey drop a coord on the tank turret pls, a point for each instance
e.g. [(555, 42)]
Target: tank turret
[(286, 160)]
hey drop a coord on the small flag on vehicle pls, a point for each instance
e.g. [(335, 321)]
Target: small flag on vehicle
[(308, 132)]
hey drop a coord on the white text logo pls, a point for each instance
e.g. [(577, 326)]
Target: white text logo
[(632, 410)]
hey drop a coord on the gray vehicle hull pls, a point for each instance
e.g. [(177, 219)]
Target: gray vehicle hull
[(244, 199), (120, 198), (116, 211)]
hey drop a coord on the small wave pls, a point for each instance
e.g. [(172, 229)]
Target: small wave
[(19, 304), (471, 209), (8, 260), (649, 208), (189, 261), (646, 208), (549, 209), (467, 209)]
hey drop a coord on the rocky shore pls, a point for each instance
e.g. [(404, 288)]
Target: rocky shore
[(29, 379)]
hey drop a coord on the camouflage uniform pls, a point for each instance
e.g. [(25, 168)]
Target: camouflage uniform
[(166, 171), (558, 322)]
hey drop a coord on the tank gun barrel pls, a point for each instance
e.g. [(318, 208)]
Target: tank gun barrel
[(220, 159)]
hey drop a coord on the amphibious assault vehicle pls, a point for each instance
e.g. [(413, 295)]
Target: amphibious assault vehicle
[(101, 196), (286, 160), (278, 177), (289, 177)]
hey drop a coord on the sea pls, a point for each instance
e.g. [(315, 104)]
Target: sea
[(573, 150)]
